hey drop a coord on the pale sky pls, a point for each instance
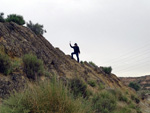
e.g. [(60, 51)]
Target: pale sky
[(109, 32)]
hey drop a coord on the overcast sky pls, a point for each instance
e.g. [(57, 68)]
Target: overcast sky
[(109, 32)]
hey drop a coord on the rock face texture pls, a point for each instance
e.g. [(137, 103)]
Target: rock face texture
[(16, 41), (144, 81)]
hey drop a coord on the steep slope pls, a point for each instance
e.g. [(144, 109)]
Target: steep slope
[(16, 41)]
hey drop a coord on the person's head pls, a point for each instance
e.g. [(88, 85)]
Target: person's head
[(75, 44)]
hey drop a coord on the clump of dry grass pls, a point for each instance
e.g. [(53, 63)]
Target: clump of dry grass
[(46, 97)]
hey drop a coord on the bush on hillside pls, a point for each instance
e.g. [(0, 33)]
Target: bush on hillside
[(45, 97), (36, 28), (134, 86), (135, 98), (18, 19), (93, 64), (2, 17), (118, 94), (92, 83), (33, 67), (5, 64), (79, 88), (107, 70), (104, 102)]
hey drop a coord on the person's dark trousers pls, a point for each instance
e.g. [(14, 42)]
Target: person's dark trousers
[(76, 55)]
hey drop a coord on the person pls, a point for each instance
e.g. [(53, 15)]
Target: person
[(76, 51)]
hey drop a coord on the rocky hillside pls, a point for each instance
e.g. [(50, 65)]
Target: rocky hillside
[(144, 81), (16, 41)]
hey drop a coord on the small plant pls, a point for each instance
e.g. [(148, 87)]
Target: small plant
[(104, 102), (79, 88), (135, 86), (101, 86), (135, 98), (18, 19), (16, 64), (92, 83), (119, 95), (93, 64), (32, 66), (131, 105), (2, 17), (5, 64), (123, 98), (107, 70), (36, 28), (125, 109), (81, 62)]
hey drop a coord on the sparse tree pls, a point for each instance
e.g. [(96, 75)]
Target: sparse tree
[(36, 28)]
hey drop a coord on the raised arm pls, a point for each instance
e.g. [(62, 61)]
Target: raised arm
[(71, 45)]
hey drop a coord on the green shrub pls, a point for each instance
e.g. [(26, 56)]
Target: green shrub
[(131, 105), (18, 19), (5, 64), (36, 28), (101, 86), (79, 88), (138, 110), (16, 64), (134, 86), (123, 98), (124, 110), (107, 70), (93, 64), (118, 94), (92, 83), (104, 102), (135, 98), (45, 97), (33, 67), (2, 17), (81, 62)]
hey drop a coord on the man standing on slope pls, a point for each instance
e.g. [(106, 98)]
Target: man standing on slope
[(76, 51)]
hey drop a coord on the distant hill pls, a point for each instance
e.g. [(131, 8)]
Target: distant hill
[(143, 81)]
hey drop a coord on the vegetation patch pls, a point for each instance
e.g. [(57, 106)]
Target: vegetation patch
[(101, 86), (93, 64), (18, 19), (135, 99), (5, 64), (36, 28), (104, 102), (45, 97), (79, 88), (107, 70), (92, 83), (2, 17), (135, 86), (33, 67)]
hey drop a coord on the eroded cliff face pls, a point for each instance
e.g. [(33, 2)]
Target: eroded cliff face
[(16, 41)]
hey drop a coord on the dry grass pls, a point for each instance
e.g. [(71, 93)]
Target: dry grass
[(46, 97)]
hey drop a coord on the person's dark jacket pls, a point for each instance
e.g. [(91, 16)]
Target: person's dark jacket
[(76, 49)]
